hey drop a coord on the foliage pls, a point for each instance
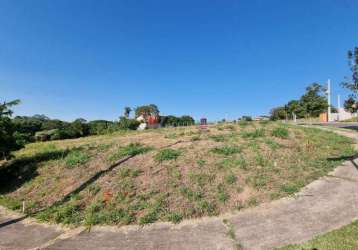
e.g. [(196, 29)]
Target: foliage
[(174, 121), (280, 132), (278, 113), (246, 118), (226, 150), (351, 104), (76, 158), (8, 140), (351, 82), (131, 149), (253, 134), (125, 123), (127, 111), (100, 127), (311, 104), (167, 154), (147, 110)]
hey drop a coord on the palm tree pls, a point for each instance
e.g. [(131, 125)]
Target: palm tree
[(127, 111)]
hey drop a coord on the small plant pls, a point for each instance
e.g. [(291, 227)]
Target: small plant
[(195, 138), (230, 178), (76, 158), (131, 149), (290, 189), (280, 133), (226, 150), (219, 138), (124, 172), (175, 217), (201, 163), (254, 134), (167, 154), (221, 195)]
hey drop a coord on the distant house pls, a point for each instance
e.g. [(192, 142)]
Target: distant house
[(261, 118)]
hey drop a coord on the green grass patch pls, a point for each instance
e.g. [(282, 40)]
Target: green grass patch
[(280, 132), (131, 149), (76, 158), (227, 150), (253, 134), (167, 155)]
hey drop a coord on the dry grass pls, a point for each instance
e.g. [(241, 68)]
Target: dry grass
[(229, 167)]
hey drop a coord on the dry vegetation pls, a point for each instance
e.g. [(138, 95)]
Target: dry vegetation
[(171, 174)]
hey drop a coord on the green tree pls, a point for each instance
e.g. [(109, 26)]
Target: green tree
[(7, 129), (127, 111), (313, 101), (278, 113), (147, 110), (351, 104), (351, 82)]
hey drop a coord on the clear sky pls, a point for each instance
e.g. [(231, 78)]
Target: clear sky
[(71, 58)]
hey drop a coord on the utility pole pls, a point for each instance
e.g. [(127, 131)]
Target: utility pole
[(329, 100)]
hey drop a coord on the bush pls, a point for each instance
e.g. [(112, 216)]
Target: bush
[(125, 123), (167, 154), (7, 139), (255, 134), (280, 133)]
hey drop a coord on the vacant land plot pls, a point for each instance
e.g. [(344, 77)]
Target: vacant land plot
[(167, 174)]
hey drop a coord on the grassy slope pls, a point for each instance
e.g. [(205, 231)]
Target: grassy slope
[(229, 167), (343, 238)]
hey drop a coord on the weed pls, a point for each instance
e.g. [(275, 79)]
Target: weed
[(254, 134), (195, 138), (280, 133), (131, 149), (76, 158), (207, 207), (219, 138), (221, 194), (167, 154), (290, 188), (230, 179), (252, 202), (124, 172), (201, 163), (175, 217), (226, 150)]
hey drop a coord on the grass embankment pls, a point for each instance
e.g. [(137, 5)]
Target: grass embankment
[(343, 238), (229, 167)]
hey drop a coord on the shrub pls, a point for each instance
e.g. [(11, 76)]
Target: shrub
[(76, 158), (226, 150), (280, 133), (125, 123), (167, 154), (254, 134)]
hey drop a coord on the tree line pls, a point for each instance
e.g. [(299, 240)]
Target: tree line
[(314, 101), (20, 130)]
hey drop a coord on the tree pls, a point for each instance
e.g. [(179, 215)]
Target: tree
[(278, 113), (7, 130), (147, 110), (127, 111), (313, 102), (351, 82), (351, 104), (5, 110)]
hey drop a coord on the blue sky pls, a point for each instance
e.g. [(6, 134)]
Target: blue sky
[(71, 58)]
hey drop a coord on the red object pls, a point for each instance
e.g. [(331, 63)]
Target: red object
[(152, 120)]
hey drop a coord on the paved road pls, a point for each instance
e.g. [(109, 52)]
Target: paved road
[(322, 206)]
